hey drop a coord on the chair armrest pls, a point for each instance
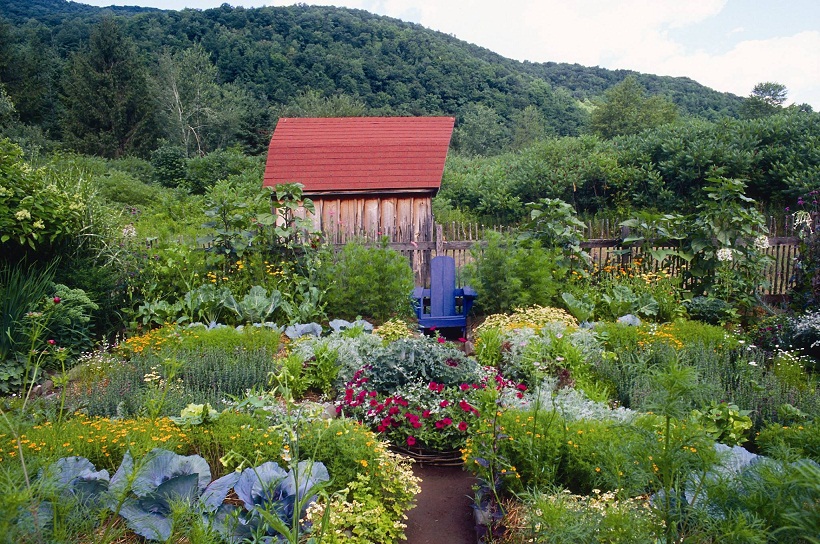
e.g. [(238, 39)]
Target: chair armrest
[(469, 292)]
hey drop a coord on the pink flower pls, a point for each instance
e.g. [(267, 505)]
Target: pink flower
[(440, 340), (57, 300), (52, 342), (444, 404), (521, 387), (462, 340), (425, 414), (411, 441), (464, 387), (464, 405), (462, 426)]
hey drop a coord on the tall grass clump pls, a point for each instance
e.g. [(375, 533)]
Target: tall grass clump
[(22, 289)]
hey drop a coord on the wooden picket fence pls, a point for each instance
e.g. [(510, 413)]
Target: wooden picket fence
[(462, 241)]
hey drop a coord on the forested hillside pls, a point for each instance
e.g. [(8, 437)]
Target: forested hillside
[(204, 80)]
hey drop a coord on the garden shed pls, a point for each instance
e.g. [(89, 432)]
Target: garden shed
[(367, 176)]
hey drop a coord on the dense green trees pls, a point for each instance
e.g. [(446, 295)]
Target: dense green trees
[(209, 79), (626, 110), (662, 169), (197, 91)]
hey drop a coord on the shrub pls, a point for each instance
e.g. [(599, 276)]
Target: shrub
[(70, 323), (418, 359), (710, 310), (793, 441), (375, 282), (123, 189), (533, 317), (805, 331), (508, 274), (202, 173)]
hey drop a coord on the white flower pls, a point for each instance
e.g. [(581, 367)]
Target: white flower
[(129, 231), (752, 363), (724, 254), (23, 215), (761, 242)]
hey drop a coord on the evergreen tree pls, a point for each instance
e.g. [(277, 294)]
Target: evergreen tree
[(108, 105)]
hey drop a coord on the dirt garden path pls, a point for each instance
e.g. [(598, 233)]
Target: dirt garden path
[(442, 514)]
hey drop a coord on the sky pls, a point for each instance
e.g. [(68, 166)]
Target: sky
[(728, 45)]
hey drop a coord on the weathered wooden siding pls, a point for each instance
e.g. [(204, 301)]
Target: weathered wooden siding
[(403, 218)]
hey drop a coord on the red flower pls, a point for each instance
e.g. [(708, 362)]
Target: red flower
[(57, 300), (464, 387), (411, 441), (440, 424), (464, 405), (52, 342), (441, 340), (425, 414), (462, 426), (521, 387), (444, 404), (462, 340)]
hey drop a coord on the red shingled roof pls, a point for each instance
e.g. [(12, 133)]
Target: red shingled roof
[(361, 154)]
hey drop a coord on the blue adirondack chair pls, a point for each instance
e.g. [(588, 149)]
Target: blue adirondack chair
[(442, 305)]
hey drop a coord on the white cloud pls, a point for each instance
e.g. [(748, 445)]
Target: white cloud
[(792, 60)]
